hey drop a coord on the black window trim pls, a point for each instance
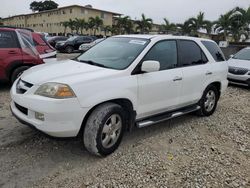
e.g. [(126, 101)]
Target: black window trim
[(137, 69), (178, 46)]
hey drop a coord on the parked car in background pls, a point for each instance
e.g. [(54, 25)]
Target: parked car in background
[(122, 82), (85, 47), (21, 49), (53, 40), (73, 43), (239, 68)]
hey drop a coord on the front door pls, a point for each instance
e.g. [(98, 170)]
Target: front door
[(159, 91)]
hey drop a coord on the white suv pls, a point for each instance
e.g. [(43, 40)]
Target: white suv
[(124, 81)]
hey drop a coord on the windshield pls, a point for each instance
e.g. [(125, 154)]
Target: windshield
[(72, 38), (114, 53), (243, 54)]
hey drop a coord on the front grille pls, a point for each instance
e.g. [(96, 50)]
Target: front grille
[(237, 71), (22, 109), (22, 86)]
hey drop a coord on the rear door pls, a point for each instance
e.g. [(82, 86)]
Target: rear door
[(10, 51), (159, 91), (195, 68)]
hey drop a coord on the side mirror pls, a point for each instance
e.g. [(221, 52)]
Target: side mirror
[(150, 66), (231, 56)]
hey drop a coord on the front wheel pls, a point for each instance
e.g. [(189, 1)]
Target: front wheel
[(208, 102), (17, 73), (104, 129)]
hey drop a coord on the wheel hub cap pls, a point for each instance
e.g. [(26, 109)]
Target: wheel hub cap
[(111, 130), (210, 101)]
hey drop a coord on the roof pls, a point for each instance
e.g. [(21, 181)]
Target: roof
[(141, 36), (60, 8)]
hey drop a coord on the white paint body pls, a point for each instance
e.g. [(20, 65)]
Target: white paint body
[(150, 93)]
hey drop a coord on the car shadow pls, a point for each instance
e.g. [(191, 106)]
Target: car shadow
[(4, 86), (238, 86)]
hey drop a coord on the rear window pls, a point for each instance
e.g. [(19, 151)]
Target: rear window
[(214, 50)]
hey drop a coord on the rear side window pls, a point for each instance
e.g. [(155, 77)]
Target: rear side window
[(190, 53), (8, 39), (165, 52), (214, 50)]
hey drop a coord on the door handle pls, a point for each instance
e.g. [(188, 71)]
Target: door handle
[(177, 78), (209, 73), (12, 52)]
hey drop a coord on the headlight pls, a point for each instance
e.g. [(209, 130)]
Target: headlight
[(55, 90)]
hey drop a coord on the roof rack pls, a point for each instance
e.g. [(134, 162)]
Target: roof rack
[(12, 27)]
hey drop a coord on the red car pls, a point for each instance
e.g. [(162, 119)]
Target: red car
[(21, 49)]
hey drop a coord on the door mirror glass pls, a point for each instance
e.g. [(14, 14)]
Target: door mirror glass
[(150, 66)]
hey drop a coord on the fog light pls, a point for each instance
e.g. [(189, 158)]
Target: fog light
[(39, 116)]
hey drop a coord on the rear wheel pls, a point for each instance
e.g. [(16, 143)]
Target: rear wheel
[(208, 102), (104, 129), (17, 73), (69, 49)]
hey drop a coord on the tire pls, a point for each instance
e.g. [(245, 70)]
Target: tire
[(17, 73), (101, 135), (208, 102), (69, 49)]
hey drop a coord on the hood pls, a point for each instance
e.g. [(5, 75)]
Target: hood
[(239, 63), (67, 71)]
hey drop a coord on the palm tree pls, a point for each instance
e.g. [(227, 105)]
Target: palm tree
[(107, 29), (167, 26), (144, 25), (81, 24), (95, 23), (223, 24), (65, 25), (124, 25), (185, 28), (199, 22), (71, 25)]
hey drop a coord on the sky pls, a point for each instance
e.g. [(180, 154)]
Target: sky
[(176, 11)]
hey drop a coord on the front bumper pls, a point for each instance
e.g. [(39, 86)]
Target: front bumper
[(239, 79), (62, 117)]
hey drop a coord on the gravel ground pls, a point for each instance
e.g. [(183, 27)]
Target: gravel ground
[(185, 152)]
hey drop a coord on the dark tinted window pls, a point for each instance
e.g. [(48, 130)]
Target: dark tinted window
[(214, 50), (165, 52), (190, 54), (8, 39)]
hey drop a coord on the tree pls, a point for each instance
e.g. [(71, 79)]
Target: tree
[(38, 6), (1, 23), (167, 26), (107, 29), (185, 28), (144, 25), (124, 25), (95, 23), (81, 24), (199, 22), (71, 25), (65, 25), (223, 24)]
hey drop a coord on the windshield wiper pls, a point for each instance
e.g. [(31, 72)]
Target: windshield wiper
[(92, 63)]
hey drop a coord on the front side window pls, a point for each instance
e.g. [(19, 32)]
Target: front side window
[(190, 54), (115, 53), (8, 39), (165, 52), (214, 50), (243, 54)]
